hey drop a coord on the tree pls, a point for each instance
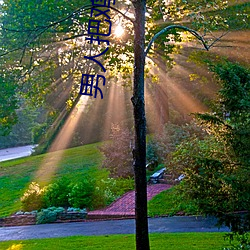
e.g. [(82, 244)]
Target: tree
[(70, 28), (8, 106), (118, 156), (139, 151), (217, 168)]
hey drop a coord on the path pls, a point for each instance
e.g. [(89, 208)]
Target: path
[(125, 206), (156, 225), (14, 153)]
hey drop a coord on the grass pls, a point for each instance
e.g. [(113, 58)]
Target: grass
[(170, 241), (16, 175), (169, 203)]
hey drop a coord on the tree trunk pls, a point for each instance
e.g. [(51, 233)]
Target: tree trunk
[(139, 152)]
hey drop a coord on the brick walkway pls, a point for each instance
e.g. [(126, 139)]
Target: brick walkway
[(124, 207)]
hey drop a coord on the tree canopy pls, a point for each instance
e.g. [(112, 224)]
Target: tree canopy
[(45, 44)]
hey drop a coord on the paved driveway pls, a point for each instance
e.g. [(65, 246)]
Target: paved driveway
[(14, 153), (156, 225)]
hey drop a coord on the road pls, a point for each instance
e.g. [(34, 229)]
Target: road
[(156, 225), (14, 153)]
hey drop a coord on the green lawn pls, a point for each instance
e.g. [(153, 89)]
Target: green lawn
[(169, 202), (171, 241), (16, 175)]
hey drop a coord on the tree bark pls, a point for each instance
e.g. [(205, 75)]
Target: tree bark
[(139, 151)]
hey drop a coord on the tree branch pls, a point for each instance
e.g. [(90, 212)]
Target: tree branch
[(123, 14), (218, 38), (42, 29), (193, 32)]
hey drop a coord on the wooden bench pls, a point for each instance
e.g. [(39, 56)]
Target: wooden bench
[(182, 176), (155, 177)]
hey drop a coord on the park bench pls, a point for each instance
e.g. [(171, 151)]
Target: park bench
[(155, 177), (182, 176)]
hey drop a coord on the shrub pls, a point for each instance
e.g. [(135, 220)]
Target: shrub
[(33, 197), (103, 194), (152, 156), (216, 168), (57, 193), (243, 242), (109, 189), (166, 141), (38, 132), (118, 153), (81, 194), (73, 209), (123, 185), (48, 215)]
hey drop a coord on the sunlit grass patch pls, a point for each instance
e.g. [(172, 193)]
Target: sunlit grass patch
[(16, 175), (170, 241)]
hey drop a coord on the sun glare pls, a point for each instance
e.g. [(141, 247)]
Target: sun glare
[(51, 162), (119, 31)]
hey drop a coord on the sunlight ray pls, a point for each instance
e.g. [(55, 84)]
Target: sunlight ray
[(51, 161)]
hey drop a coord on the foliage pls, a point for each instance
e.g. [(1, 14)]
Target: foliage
[(48, 215), (33, 197), (73, 209), (8, 106), (92, 192), (205, 175), (243, 242), (65, 193), (81, 194), (118, 156), (103, 193), (166, 141), (61, 193), (108, 190), (46, 44), (57, 193), (22, 132), (151, 153), (216, 168), (16, 175), (236, 16), (38, 131)]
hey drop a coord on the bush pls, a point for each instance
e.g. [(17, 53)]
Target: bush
[(118, 153), (243, 242), (81, 194), (216, 168), (152, 155), (166, 141), (123, 185), (109, 189), (48, 215), (33, 198), (38, 132), (57, 193), (103, 194)]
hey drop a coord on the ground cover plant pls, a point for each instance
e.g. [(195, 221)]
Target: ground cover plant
[(171, 241)]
